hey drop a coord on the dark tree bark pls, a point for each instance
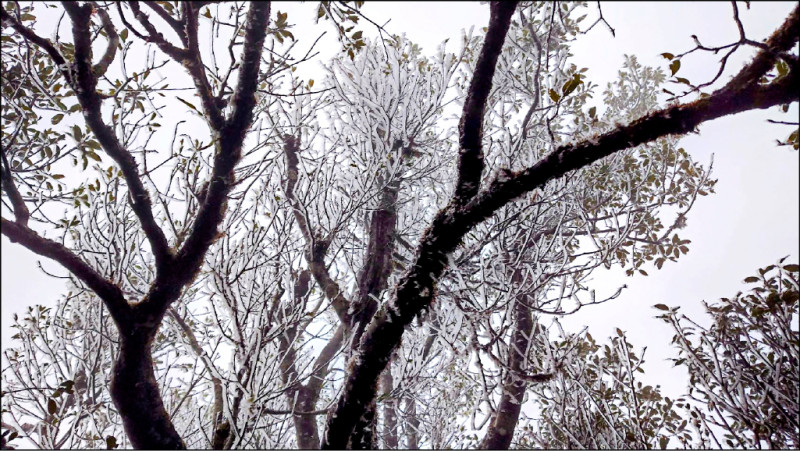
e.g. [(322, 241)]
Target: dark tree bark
[(501, 430), (304, 397), (309, 393), (134, 389), (415, 290), (350, 410), (135, 393)]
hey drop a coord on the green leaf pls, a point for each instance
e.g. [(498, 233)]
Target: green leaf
[(94, 155), (310, 82), (188, 104), (207, 13), (668, 55), (661, 307), (357, 35), (592, 112), (124, 35), (570, 85), (554, 95), (56, 119), (783, 68), (77, 133), (683, 80), (792, 268), (751, 279), (675, 66)]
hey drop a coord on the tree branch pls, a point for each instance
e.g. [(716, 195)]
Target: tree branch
[(111, 294), (21, 212), (153, 35), (113, 41), (360, 387), (171, 21), (194, 64), (415, 290), (315, 248), (188, 57), (43, 43), (470, 128), (86, 90), (229, 149)]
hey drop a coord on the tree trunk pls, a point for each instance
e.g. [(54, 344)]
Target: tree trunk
[(390, 440), (501, 430), (412, 423), (136, 396), (363, 436)]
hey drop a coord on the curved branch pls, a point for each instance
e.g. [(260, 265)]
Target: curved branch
[(315, 248), (111, 294), (86, 90), (113, 41), (229, 149), (153, 35), (470, 128), (43, 43), (414, 292), (171, 21), (189, 57), (21, 212), (193, 62)]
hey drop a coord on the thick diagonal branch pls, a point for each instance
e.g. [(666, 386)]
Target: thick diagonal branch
[(110, 294), (86, 90), (470, 128), (21, 212), (356, 400), (171, 21), (228, 148), (415, 291)]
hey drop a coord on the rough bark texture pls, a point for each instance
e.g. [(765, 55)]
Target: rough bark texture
[(136, 395), (501, 430), (134, 389), (415, 290), (363, 373)]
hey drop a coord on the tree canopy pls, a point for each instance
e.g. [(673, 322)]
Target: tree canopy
[(260, 260)]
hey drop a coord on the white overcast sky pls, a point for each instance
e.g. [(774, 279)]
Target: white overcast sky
[(750, 222)]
